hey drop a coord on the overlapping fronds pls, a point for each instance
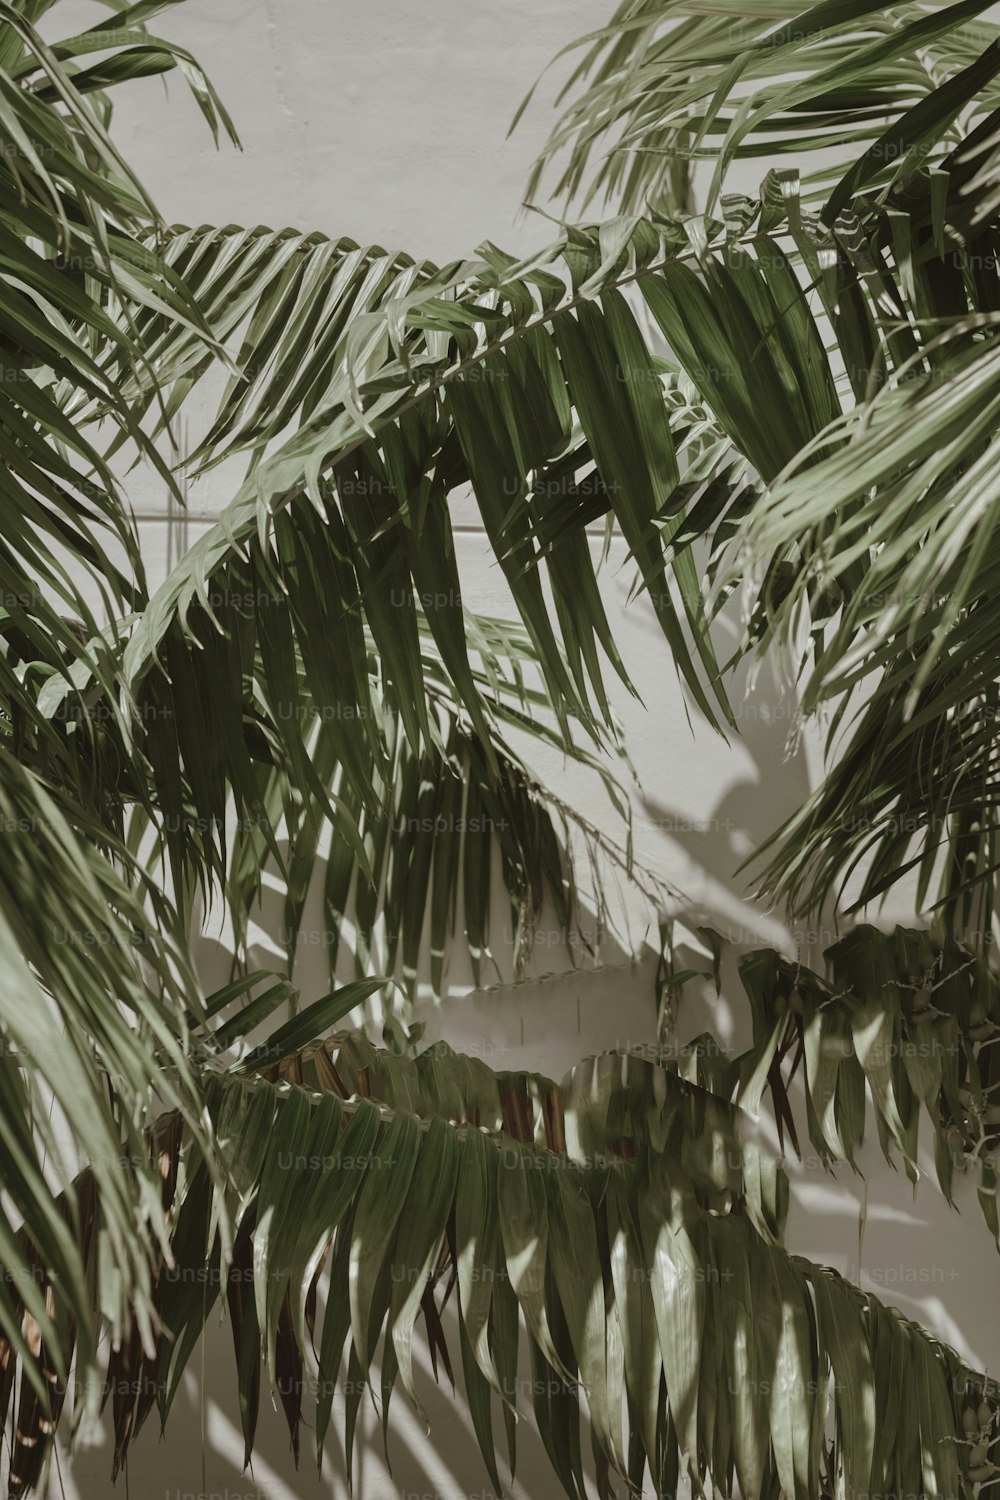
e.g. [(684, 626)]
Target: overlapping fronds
[(401, 877), (624, 1223), (71, 212), (93, 1042), (535, 385), (328, 793), (530, 383), (856, 93), (312, 665), (879, 535), (901, 526), (903, 1025), (93, 1004), (887, 539)]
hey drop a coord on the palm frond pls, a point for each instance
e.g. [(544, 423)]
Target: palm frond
[(393, 401), (514, 380), (72, 211), (333, 794), (668, 84), (401, 877), (903, 1025), (94, 1039), (882, 538), (622, 1216), (95, 1000), (876, 538)]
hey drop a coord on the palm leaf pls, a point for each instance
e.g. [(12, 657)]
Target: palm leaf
[(71, 212), (630, 1221), (95, 1039), (396, 409), (517, 380), (95, 998), (884, 542), (669, 84), (878, 542), (442, 816), (902, 1025)]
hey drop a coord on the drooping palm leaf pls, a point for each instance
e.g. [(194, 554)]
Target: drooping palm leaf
[(623, 1216), (94, 999), (912, 647), (418, 841), (862, 86), (904, 1025), (94, 1041), (511, 379), (423, 855), (900, 269), (397, 414), (71, 213)]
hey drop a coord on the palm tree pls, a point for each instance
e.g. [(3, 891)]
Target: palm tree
[(791, 397)]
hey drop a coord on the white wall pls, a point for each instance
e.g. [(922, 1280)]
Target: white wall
[(387, 122)]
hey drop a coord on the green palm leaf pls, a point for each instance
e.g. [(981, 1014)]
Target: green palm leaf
[(95, 997), (634, 1208), (668, 84)]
